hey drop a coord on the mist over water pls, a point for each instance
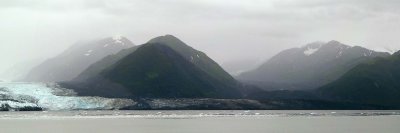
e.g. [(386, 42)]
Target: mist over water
[(331, 121)]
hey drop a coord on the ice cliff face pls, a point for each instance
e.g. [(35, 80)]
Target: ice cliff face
[(51, 97)]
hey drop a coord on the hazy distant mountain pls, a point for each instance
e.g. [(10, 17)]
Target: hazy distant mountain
[(20, 70), (308, 67), (165, 67), (96, 68), (77, 58), (374, 82), (387, 49), (236, 67)]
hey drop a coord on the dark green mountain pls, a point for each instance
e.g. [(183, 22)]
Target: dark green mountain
[(198, 58), (165, 67), (97, 67), (375, 82)]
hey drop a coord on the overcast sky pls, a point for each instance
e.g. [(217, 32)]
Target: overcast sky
[(227, 30)]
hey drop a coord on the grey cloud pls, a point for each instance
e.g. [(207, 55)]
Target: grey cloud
[(226, 30)]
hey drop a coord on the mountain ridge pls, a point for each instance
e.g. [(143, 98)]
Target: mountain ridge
[(372, 82), (165, 67), (308, 67)]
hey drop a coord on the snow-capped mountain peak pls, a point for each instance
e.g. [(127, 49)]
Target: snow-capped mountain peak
[(117, 39), (57, 68)]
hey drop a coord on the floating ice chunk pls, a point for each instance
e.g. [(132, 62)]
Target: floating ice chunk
[(16, 104)]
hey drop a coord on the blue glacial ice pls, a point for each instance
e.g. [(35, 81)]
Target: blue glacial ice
[(51, 97)]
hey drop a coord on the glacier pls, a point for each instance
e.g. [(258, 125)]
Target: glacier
[(49, 96)]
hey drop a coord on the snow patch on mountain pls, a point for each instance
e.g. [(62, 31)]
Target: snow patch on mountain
[(340, 53), (341, 50), (369, 53), (88, 53), (191, 59), (312, 48), (309, 51), (117, 39)]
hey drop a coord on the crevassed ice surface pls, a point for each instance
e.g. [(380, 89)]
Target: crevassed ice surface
[(50, 97)]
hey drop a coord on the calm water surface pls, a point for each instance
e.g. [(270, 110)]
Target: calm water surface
[(201, 122)]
